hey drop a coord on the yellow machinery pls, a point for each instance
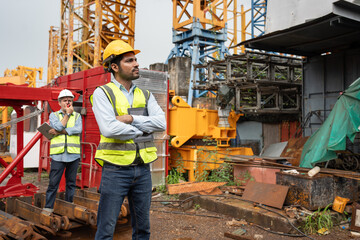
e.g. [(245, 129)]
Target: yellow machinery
[(202, 125)]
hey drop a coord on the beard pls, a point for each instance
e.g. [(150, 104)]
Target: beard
[(128, 77)]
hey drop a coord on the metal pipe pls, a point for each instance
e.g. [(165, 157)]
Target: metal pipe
[(5, 164), (20, 156), (92, 146)]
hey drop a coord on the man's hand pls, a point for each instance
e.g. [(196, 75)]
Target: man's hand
[(69, 108), (128, 119), (53, 132)]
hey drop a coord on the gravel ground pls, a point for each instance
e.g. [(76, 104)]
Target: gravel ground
[(169, 222)]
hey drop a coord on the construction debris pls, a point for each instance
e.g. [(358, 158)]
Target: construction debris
[(188, 187), (270, 162), (237, 223)]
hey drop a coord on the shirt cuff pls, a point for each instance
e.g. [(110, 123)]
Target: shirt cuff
[(136, 120)]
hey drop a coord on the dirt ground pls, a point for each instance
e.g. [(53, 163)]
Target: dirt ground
[(169, 221)]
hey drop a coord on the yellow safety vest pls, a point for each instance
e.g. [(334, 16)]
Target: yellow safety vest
[(123, 152), (72, 143)]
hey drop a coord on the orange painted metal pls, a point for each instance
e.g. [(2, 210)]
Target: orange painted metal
[(207, 12)]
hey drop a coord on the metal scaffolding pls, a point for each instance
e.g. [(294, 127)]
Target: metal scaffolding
[(260, 82), (87, 26)]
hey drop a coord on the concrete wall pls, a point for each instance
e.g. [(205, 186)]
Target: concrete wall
[(179, 75), (162, 67)]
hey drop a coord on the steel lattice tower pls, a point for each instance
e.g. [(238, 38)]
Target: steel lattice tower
[(258, 16), (199, 32), (87, 26)]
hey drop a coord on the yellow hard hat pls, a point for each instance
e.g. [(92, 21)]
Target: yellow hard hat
[(116, 48)]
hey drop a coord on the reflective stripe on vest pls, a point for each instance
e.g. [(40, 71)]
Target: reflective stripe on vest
[(123, 152), (72, 143)]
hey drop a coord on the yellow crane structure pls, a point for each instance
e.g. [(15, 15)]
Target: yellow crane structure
[(22, 75), (236, 26), (87, 26), (184, 12)]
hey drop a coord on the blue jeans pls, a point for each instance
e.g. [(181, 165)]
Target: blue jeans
[(116, 183), (56, 172)]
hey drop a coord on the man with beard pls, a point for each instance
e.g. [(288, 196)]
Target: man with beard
[(126, 116)]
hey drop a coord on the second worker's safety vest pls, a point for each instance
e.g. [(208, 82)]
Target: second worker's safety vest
[(72, 143), (123, 152)]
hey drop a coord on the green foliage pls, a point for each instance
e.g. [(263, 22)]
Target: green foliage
[(196, 206), (207, 157), (318, 220), (161, 189), (174, 177), (225, 174)]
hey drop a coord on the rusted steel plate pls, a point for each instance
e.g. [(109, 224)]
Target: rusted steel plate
[(294, 149), (355, 217), (192, 187), (268, 194)]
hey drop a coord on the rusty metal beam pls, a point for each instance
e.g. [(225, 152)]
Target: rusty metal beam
[(71, 211), (32, 213), (91, 199), (87, 194), (13, 227), (75, 212)]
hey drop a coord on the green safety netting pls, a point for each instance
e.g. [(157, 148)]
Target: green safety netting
[(343, 121)]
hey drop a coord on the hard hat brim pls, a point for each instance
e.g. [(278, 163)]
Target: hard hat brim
[(110, 58)]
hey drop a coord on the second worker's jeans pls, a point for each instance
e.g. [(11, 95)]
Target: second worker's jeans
[(56, 172), (116, 183)]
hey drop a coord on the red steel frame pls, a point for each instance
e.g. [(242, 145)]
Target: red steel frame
[(18, 96), (85, 82)]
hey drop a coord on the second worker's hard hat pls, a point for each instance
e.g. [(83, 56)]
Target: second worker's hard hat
[(115, 48), (65, 93)]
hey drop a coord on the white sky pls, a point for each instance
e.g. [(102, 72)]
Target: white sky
[(25, 24)]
